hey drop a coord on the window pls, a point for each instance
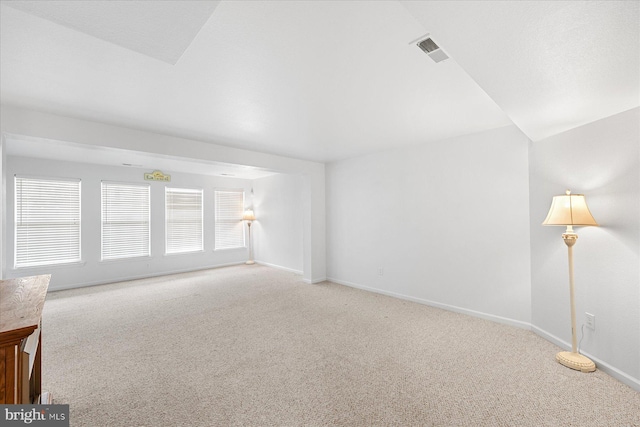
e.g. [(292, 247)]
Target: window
[(229, 226), (183, 220), (47, 221), (125, 220)]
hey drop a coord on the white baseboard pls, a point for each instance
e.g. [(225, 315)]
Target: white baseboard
[(627, 379), (279, 267), (314, 281), (492, 317), (139, 276)]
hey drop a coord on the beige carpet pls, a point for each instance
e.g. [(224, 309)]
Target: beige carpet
[(255, 346)]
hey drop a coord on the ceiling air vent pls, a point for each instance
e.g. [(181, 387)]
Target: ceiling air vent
[(433, 50)]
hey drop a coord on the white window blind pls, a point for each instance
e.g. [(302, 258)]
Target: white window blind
[(183, 220), (47, 221), (125, 220), (229, 227)]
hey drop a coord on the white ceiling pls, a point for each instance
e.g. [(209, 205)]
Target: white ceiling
[(323, 80), (159, 29), (550, 65)]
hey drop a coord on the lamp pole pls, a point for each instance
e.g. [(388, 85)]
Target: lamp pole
[(570, 240), (250, 261), (572, 359)]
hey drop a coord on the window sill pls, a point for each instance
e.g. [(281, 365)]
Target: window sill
[(37, 268), (240, 248), (200, 251), (130, 259)]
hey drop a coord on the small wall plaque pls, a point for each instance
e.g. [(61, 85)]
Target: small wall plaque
[(157, 176)]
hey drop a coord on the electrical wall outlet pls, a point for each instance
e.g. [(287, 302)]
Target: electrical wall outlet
[(591, 321)]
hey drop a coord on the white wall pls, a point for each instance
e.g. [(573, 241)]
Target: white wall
[(3, 206), (601, 160), (278, 234), (448, 224), (29, 123), (92, 270)]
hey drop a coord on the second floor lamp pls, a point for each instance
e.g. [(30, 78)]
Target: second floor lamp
[(249, 216)]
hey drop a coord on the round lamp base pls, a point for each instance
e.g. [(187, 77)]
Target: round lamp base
[(575, 361)]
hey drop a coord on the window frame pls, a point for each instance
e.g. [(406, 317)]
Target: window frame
[(73, 222), (217, 222), (124, 256), (167, 221)]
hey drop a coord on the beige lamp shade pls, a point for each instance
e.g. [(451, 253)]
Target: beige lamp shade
[(248, 215), (569, 209)]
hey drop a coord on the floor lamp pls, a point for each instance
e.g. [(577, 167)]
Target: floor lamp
[(249, 217), (569, 210)]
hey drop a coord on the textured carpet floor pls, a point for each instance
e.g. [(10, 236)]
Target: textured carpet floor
[(255, 346)]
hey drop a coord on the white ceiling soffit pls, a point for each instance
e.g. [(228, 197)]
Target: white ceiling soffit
[(159, 29), (550, 65), (18, 145), (314, 80)]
